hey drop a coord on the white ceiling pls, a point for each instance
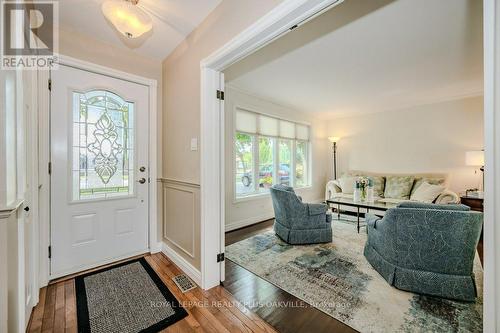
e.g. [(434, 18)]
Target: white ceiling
[(173, 20), (369, 56)]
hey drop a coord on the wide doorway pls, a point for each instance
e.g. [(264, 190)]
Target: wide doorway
[(99, 170)]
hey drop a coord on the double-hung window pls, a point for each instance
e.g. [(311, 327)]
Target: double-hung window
[(269, 151)]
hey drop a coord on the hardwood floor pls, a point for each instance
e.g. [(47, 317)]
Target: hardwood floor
[(235, 307), (213, 311), (251, 290)]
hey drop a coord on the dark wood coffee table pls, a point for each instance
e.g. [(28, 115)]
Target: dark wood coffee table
[(375, 205)]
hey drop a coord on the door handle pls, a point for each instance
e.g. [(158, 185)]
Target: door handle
[(27, 209), (142, 180)]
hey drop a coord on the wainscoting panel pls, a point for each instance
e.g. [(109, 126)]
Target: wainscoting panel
[(181, 219)]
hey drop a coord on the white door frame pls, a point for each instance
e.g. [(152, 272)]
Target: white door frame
[(273, 25), (491, 26), (44, 154), (283, 18)]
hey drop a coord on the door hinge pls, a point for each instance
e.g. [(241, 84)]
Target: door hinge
[(50, 252), (50, 168), (220, 257), (220, 95), (50, 84)]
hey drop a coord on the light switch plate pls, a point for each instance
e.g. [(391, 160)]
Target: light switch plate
[(194, 144)]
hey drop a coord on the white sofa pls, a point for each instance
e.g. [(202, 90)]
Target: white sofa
[(333, 187)]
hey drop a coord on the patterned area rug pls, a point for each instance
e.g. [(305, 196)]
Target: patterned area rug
[(128, 297), (337, 279)]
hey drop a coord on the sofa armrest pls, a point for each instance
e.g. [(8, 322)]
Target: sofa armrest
[(331, 189), (447, 197), (316, 209)]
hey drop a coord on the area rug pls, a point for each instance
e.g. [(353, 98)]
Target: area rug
[(129, 297), (337, 279)]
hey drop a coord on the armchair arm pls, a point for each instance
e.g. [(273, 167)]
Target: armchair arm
[(316, 209), (331, 189), (381, 234), (447, 197), (371, 221)]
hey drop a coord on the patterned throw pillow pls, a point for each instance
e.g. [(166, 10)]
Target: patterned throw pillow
[(430, 180), (398, 187), (378, 185)]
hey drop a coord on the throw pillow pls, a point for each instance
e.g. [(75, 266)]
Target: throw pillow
[(398, 187), (378, 185), (430, 180), (427, 192), (347, 184)]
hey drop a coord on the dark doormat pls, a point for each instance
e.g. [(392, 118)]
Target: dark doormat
[(128, 297)]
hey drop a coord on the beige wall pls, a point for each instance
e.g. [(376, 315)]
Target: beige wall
[(251, 210), (181, 98), (427, 138), (87, 48)]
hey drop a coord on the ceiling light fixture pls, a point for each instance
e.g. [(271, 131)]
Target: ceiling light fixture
[(127, 17)]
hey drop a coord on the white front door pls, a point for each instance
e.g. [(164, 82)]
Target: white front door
[(99, 176)]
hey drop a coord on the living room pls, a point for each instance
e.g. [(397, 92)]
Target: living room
[(387, 93)]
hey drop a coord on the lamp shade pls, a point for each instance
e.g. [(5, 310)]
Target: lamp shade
[(333, 139), (127, 18), (474, 158)]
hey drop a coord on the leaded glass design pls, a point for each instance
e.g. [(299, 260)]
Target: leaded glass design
[(103, 145)]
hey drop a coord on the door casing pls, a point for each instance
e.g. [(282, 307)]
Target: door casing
[(44, 155)]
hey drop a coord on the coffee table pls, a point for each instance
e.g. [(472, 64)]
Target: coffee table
[(375, 205)]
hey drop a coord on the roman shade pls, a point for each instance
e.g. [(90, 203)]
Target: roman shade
[(254, 123), (246, 122)]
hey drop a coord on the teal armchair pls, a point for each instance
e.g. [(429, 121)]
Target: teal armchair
[(426, 248), (297, 222)]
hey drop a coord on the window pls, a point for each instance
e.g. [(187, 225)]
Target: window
[(269, 151), (103, 146)]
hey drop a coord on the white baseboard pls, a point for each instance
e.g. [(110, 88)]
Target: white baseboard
[(186, 267), (157, 248), (249, 221), (256, 219)]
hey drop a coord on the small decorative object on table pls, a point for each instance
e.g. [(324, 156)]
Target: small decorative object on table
[(363, 190)]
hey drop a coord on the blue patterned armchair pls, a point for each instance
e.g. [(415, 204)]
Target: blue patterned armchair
[(426, 248), (297, 222)]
